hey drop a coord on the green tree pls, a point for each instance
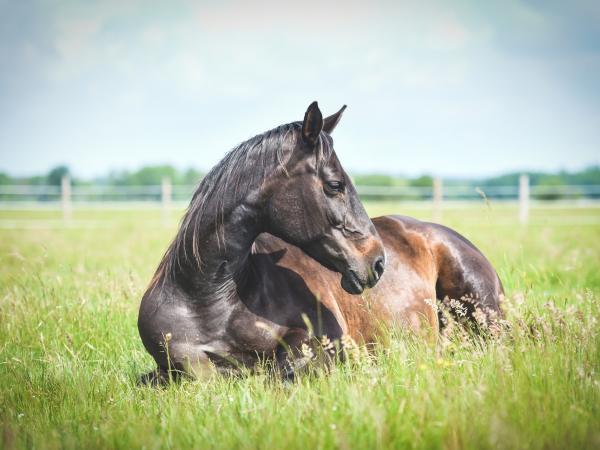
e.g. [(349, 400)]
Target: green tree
[(422, 181), (54, 177), (191, 177), (5, 178), (373, 180)]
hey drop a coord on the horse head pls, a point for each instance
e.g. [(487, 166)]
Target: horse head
[(315, 206)]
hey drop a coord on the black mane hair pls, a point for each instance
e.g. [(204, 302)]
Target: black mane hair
[(242, 169)]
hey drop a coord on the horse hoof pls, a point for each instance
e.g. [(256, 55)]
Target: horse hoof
[(288, 376), (154, 378)]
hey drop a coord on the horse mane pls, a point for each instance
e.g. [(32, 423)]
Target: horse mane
[(243, 168)]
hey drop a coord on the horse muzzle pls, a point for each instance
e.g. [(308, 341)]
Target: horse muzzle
[(355, 284)]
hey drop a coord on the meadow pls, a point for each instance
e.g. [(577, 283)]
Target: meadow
[(70, 352)]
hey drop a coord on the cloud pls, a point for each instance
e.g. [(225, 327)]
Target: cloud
[(125, 83)]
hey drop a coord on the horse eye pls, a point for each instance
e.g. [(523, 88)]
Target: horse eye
[(337, 186)]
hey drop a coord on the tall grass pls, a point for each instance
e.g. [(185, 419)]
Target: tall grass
[(70, 355)]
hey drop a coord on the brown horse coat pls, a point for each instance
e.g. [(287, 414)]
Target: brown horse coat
[(423, 261)]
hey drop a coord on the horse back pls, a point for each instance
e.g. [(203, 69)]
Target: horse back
[(460, 270)]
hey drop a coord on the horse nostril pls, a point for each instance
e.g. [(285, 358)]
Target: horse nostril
[(378, 267)]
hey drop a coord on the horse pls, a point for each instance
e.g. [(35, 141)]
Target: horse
[(276, 247)]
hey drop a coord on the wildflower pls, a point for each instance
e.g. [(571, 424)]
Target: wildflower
[(431, 303), (348, 342), (444, 363), (448, 345), (458, 307), (350, 347), (307, 351), (481, 318), (470, 298), (519, 298), (327, 345)]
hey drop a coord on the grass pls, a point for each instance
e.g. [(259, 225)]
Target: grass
[(70, 352)]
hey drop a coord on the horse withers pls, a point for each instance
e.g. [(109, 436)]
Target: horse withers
[(276, 246)]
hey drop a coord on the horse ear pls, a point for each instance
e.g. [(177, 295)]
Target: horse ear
[(331, 122), (312, 124)]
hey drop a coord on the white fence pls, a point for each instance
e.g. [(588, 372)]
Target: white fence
[(166, 195)]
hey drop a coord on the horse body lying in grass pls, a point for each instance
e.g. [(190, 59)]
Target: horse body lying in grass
[(276, 241)]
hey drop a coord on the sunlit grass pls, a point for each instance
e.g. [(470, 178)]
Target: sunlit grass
[(70, 352)]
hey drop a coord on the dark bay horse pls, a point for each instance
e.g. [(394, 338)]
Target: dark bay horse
[(275, 237)]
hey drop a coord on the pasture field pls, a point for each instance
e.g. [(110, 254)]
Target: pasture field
[(70, 352)]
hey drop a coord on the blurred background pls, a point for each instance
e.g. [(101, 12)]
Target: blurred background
[(111, 103)]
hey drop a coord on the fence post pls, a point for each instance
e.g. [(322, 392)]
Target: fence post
[(438, 195), (166, 194), (65, 191), (523, 198)]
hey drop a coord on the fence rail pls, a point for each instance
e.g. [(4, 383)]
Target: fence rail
[(165, 195)]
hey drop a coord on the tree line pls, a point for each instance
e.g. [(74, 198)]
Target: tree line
[(153, 175)]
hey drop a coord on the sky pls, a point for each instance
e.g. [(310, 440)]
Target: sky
[(445, 88)]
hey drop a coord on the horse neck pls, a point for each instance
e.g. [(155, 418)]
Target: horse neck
[(215, 251), (225, 217)]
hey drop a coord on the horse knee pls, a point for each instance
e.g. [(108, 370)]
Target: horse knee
[(190, 360)]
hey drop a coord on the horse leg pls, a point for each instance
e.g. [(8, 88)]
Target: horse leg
[(196, 369), (288, 355), (468, 284), (154, 378), (291, 359)]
